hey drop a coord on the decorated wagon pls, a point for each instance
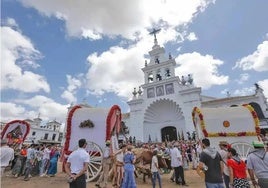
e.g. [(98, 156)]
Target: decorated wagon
[(96, 125), (15, 132), (239, 126)]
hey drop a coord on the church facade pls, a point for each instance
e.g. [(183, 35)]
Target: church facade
[(161, 108)]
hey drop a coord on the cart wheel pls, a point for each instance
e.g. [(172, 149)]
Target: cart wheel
[(242, 148), (95, 164)]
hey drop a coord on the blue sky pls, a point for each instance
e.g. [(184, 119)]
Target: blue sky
[(58, 52)]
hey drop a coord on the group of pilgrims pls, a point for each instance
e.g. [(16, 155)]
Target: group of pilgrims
[(222, 167), (35, 160)]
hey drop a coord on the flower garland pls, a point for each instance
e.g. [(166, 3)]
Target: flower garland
[(197, 111), (87, 123), (202, 122), (109, 126), (255, 118), (69, 129)]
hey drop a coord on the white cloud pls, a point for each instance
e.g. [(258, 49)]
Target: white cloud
[(73, 85), (205, 71), (117, 70), (243, 78), (18, 55), (69, 96), (192, 37), (257, 61), (11, 110), (94, 18), (48, 108), (10, 22), (264, 85), (244, 91)]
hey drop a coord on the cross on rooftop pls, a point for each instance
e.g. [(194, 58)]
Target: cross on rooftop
[(154, 33)]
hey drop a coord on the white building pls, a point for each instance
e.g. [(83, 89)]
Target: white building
[(47, 134), (162, 107)]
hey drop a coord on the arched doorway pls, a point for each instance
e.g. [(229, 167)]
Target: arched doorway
[(169, 133)]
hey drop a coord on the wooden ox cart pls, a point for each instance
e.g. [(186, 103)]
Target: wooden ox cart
[(239, 126), (96, 125)]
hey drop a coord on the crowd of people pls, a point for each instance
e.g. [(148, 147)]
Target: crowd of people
[(30, 160), (222, 168)]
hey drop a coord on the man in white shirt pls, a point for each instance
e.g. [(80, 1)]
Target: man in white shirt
[(29, 162), (176, 164), (77, 164), (6, 155), (155, 170), (45, 160)]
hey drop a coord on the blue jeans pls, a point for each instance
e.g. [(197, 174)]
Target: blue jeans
[(226, 180), (155, 176), (214, 185), (28, 169)]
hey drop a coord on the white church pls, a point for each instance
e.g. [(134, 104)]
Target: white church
[(161, 108)]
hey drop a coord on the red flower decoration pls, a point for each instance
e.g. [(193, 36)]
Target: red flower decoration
[(205, 132), (69, 128)]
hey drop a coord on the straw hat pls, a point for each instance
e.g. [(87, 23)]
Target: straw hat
[(223, 143)]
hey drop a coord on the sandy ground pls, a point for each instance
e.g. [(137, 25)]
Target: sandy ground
[(60, 181)]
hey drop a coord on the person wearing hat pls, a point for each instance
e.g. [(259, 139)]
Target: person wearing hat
[(106, 162), (6, 155), (224, 155), (257, 165)]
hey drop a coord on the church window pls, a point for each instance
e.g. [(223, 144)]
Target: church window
[(167, 73), (157, 60), (46, 136), (150, 77), (158, 75), (54, 136)]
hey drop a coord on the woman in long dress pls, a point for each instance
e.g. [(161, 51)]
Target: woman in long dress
[(54, 156), (129, 178)]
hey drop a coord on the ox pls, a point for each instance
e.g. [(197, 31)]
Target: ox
[(144, 160)]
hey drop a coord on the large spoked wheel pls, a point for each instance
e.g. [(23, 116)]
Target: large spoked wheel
[(95, 164), (242, 148)]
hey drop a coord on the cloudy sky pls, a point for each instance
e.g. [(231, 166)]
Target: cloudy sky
[(58, 52)]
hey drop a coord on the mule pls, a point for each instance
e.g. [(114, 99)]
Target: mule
[(144, 160)]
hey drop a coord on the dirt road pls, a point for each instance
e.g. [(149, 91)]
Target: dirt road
[(60, 181)]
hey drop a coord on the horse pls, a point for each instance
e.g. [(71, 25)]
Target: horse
[(144, 160)]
